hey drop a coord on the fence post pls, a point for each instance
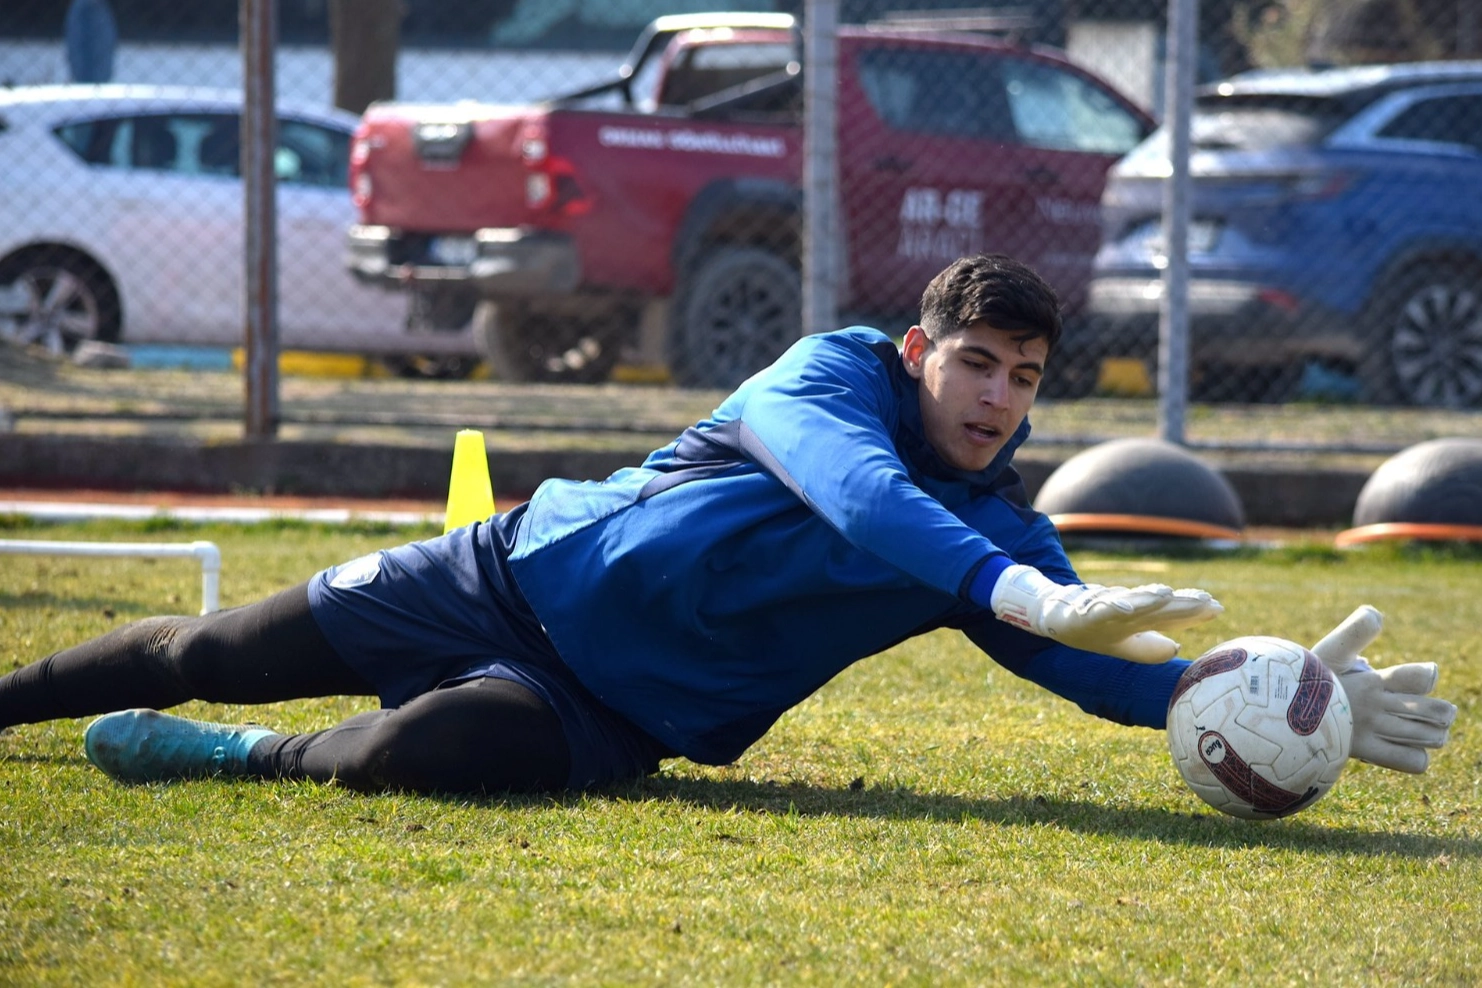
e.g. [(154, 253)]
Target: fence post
[(259, 185), (1173, 310), (821, 245)]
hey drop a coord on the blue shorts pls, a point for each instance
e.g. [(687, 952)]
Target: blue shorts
[(445, 610)]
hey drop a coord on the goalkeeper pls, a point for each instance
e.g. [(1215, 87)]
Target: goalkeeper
[(851, 496)]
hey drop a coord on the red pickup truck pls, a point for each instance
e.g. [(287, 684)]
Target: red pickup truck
[(661, 212)]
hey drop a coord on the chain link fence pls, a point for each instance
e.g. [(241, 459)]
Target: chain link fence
[(555, 191)]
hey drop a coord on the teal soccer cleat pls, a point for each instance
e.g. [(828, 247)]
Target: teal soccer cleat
[(148, 746)]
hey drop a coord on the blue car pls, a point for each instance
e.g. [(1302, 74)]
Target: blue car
[(1336, 223)]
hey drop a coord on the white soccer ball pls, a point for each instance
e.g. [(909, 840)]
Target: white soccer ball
[(1259, 728)]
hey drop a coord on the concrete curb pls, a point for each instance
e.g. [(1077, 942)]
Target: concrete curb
[(282, 467), (1273, 495)]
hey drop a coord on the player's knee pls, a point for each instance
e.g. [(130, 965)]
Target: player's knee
[(447, 748), (184, 646)]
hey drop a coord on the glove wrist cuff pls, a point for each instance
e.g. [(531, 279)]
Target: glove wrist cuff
[(1017, 596)]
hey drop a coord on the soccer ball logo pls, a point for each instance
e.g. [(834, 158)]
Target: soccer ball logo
[(1259, 728)]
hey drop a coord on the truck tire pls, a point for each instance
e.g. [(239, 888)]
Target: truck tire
[(430, 312), (559, 344), (736, 310), (68, 299), (430, 366), (1425, 343)]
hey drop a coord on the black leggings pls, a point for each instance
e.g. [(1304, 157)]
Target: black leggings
[(483, 735)]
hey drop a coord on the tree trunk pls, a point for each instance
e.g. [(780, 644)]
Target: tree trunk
[(364, 35)]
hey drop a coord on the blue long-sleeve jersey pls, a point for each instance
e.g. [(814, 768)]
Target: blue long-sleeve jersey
[(806, 525)]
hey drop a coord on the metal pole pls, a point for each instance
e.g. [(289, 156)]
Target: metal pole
[(259, 183), (1173, 311), (821, 265), (206, 552)]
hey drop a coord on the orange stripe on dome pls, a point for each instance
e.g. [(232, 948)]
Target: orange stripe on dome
[(1428, 532), (1142, 525)]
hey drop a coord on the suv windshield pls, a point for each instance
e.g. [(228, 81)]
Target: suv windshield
[(1262, 122)]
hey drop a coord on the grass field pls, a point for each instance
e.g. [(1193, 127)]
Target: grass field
[(925, 819)]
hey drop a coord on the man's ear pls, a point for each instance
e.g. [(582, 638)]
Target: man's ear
[(913, 351)]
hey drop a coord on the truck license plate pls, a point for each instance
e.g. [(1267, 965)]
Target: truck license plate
[(453, 250)]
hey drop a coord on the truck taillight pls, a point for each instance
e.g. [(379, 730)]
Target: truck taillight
[(537, 189), (553, 187), (362, 146)]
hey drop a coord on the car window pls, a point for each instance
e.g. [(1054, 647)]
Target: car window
[(219, 150), (955, 94), (188, 143), (90, 140), (208, 144), (1262, 122), (312, 154), (1445, 119), (1056, 109)]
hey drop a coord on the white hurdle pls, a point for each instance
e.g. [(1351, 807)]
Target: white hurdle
[(206, 552)]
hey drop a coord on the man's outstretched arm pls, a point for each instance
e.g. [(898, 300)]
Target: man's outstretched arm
[(1104, 686), (821, 421)]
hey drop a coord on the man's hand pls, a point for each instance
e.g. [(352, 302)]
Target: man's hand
[(1394, 720), (1127, 623)]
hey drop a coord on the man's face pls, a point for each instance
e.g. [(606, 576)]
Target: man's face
[(976, 387)]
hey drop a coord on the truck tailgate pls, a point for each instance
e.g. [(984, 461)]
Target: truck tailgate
[(441, 168)]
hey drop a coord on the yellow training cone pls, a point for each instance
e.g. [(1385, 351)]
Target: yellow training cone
[(470, 493)]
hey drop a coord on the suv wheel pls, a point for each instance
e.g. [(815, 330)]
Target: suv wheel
[(63, 299), (1426, 348), (735, 312)]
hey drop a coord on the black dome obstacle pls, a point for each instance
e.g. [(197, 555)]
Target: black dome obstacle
[(1143, 487), (1431, 491)]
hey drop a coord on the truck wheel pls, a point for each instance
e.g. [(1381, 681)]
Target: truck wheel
[(522, 342), (432, 367), (65, 299), (435, 312), (1425, 347), (735, 312)]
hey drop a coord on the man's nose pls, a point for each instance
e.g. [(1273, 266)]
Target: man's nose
[(995, 390)]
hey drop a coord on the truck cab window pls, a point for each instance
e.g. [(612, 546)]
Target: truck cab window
[(697, 71), (1055, 109), (953, 94)]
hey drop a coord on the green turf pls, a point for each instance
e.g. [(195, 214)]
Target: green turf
[(925, 819)]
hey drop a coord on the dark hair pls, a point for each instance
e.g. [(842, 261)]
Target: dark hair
[(991, 288)]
